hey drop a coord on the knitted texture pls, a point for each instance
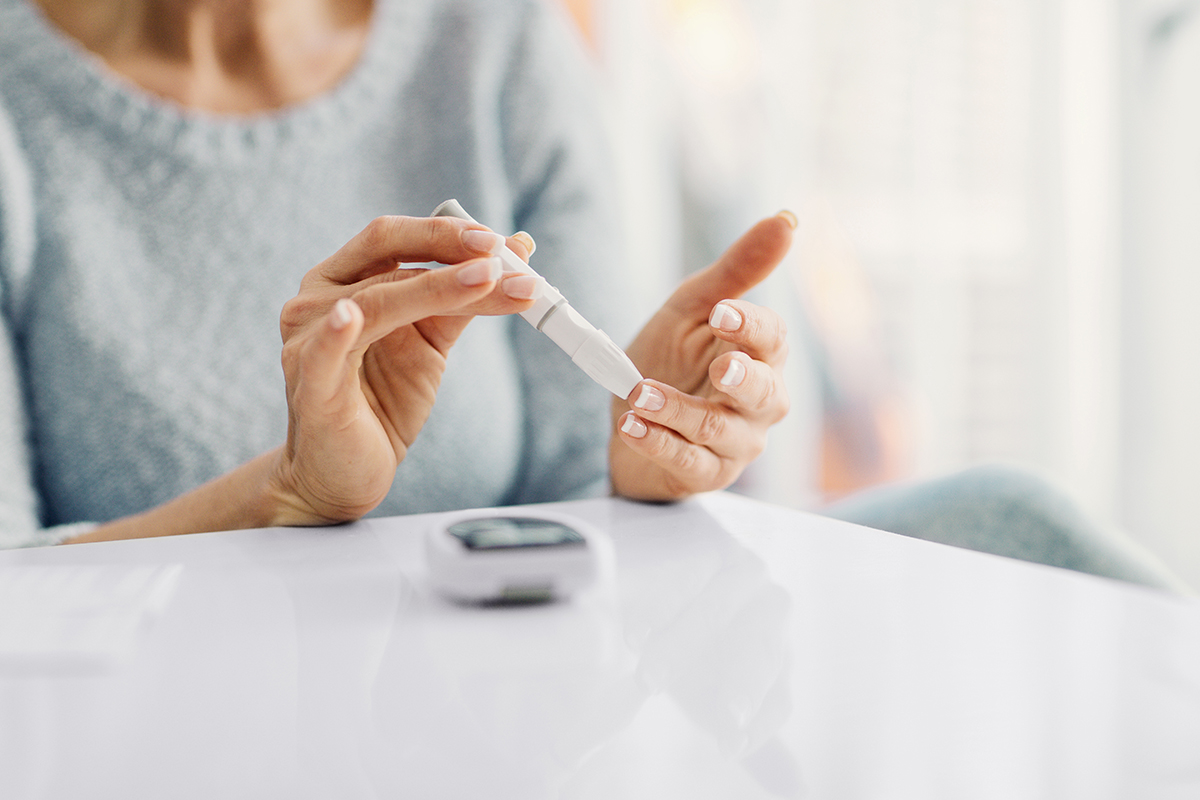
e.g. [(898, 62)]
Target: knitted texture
[(148, 249)]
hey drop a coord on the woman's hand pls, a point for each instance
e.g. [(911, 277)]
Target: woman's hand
[(716, 366), (364, 348)]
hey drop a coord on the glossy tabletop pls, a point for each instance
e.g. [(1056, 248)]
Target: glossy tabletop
[(731, 650)]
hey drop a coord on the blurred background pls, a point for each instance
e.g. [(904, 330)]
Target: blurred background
[(999, 254)]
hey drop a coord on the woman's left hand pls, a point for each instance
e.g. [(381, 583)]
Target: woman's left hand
[(716, 385)]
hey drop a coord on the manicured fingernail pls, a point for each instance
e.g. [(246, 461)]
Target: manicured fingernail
[(522, 287), (734, 374), (527, 240), (789, 218), (650, 399), (482, 241), (478, 272), (725, 318), (632, 426), (342, 314)]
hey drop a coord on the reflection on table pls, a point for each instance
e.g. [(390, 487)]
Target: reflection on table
[(731, 649)]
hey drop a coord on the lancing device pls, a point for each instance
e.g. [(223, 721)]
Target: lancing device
[(588, 346)]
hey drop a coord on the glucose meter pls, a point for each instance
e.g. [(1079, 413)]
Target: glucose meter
[(512, 556)]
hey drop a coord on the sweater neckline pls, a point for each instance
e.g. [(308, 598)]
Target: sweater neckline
[(55, 59)]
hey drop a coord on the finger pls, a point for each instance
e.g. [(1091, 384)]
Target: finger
[(522, 244), (514, 292), (387, 241), (741, 267), (520, 287), (324, 358), (690, 467), (436, 292), (758, 331), (707, 424), (750, 385)]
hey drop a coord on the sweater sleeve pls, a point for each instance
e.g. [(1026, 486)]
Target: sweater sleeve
[(564, 196), (19, 504)]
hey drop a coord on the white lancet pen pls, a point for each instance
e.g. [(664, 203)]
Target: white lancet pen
[(589, 347)]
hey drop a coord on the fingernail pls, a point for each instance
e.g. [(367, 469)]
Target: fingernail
[(734, 374), (725, 318), (789, 218), (526, 240), (632, 426), (342, 314), (650, 399), (479, 272), (522, 287), (482, 241)]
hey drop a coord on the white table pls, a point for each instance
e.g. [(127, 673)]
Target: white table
[(736, 650)]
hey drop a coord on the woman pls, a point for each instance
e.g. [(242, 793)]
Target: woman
[(169, 169)]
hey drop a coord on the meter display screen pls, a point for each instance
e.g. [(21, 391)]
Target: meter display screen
[(500, 533)]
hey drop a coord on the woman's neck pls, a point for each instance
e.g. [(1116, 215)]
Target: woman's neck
[(223, 56)]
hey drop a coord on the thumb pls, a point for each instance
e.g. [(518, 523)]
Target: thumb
[(744, 265)]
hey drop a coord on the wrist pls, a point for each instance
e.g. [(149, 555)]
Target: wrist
[(251, 496), (282, 504), (257, 495), (287, 501)]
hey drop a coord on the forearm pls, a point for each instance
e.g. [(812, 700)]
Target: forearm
[(247, 497)]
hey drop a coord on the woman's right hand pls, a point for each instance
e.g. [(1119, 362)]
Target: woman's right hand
[(364, 347)]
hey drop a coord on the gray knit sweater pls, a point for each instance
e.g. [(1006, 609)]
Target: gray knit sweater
[(146, 251)]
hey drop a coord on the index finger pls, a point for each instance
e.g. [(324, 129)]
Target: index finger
[(743, 266), (388, 241)]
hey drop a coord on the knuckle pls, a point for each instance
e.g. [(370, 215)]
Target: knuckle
[(752, 327), (314, 277), (658, 446), (768, 321), (769, 400), (710, 426), (289, 317), (364, 298), (295, 315), (369, 300), (686, 461), (387, 235), (769, 395), (767, 329), (765, 326), (290, 356), (377, 233), (427, 234), (385, 242)]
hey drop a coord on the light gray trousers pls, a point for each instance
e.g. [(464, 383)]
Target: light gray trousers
[(1009, 512)]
